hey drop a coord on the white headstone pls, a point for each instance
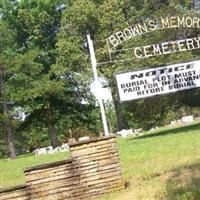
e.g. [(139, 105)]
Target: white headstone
[(84, 138), (187, 119)]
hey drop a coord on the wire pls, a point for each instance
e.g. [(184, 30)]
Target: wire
[(114, 61)]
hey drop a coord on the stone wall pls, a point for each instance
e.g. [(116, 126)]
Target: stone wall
[(93, 169), (53, 181), (98, 164), (15, 193)]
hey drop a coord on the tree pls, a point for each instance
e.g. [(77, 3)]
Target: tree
[(108, 17), (6, 40), (35, 85), (47, 70), (72, 60)]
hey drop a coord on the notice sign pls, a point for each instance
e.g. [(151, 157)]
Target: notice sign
[(156, 81)]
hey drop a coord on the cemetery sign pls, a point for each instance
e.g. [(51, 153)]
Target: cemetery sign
[(152, 25), (157, 81), (115, 40)]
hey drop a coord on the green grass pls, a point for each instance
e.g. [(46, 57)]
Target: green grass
[(160, 165), (11, 171)]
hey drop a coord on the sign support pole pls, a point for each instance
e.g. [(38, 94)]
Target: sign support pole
[(94, 69)]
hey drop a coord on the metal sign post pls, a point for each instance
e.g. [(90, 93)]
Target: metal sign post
[(94, 65)]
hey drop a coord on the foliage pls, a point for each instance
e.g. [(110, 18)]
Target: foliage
[(48, 70)]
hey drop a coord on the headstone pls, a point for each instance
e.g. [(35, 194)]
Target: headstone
[(139, 130), (187, 119), (84, 138), (125, 133), (49, 148), (65, 147), (173, 123), (57, 149), (40, 151)]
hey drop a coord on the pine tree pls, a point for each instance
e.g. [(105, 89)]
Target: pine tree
[(7, 38)]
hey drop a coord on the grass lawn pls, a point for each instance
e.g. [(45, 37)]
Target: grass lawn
[(11, 171), (160, 165)]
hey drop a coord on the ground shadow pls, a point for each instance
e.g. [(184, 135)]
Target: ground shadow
[(183, 183), (187, 128)]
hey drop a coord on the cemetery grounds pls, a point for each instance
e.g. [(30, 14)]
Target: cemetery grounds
[(160, 165)]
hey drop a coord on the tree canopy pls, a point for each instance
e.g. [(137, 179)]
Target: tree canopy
[(46, 72)]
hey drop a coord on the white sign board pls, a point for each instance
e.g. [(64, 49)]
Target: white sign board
[(156, 81)]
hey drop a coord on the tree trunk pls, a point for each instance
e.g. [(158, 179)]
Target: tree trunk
[(8, 126), (121, 119), (51, 127)]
